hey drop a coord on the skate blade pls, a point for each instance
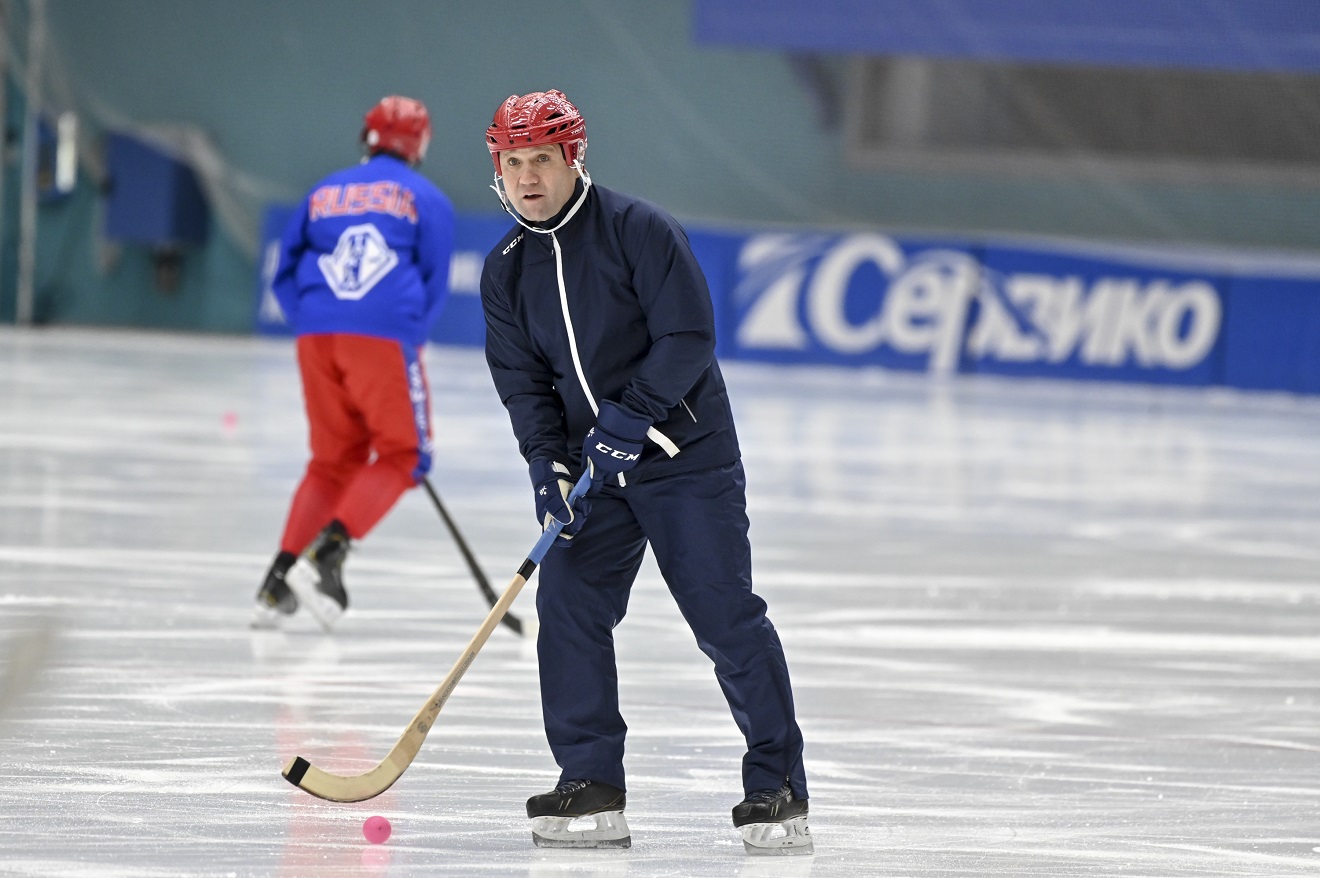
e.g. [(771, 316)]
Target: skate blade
[(610, 831), (265, 618), (303, 580), (790, 838)]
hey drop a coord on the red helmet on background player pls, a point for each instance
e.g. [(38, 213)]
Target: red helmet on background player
[(535, 119), (400, 126)]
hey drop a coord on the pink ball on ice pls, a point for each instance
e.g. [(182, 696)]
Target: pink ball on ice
[(376, 829)]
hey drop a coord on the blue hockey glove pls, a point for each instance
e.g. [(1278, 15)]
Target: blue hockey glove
[(551, 483), (614, 445)]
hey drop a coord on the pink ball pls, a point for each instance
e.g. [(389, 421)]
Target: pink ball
[(376, 829)]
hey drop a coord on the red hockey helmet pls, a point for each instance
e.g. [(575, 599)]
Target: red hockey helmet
[(400, 126), (535, 119)]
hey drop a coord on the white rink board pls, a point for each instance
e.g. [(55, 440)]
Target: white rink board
[(1036, 629)]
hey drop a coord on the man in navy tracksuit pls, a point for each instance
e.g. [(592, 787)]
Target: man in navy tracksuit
[(600, 339)]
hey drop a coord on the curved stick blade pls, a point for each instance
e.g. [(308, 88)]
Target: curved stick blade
[(360, 787), (337, 788)]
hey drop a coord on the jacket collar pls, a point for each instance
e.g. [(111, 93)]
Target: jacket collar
[(570, 207)]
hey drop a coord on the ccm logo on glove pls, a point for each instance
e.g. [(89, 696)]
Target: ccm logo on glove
[(615, 453), (614, 445)]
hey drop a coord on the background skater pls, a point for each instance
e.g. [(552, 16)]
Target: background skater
[(363, 271)]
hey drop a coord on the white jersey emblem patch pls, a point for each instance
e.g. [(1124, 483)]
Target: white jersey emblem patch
[(360, 259)]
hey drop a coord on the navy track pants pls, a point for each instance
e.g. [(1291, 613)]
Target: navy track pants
[(696, 524)]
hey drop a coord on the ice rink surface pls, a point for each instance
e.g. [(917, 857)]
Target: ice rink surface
[(1036, 629)]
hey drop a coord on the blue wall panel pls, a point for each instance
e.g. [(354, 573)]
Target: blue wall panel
[(153, 198), (460, 320), (269, 320), (1272, 336)]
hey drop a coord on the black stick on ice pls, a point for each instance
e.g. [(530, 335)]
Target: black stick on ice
[(478, 574)]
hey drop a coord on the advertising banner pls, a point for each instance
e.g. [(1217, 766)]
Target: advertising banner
[(1069, 315), (947, 306), (1041, 309)]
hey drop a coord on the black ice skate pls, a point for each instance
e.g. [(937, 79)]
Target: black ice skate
[(553, 812), (318, 577), (274, 599), (773, 822)]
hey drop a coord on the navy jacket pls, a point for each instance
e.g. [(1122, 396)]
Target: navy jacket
[(635, 314)]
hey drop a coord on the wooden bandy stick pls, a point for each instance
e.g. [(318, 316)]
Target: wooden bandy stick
[(360, 787)]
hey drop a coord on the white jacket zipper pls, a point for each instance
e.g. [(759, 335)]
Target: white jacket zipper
[(652, 433)]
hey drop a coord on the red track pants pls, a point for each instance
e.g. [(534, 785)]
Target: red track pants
[(369, 421)]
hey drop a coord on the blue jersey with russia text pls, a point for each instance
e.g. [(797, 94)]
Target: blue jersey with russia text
[(367, 253)]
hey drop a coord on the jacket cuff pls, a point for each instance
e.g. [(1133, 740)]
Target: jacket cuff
[(543, 470), (622, 422)]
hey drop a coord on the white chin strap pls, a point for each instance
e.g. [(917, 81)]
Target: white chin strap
[(498, 186)]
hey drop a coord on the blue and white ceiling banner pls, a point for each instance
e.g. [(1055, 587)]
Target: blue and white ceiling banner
[(1261, 35)]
